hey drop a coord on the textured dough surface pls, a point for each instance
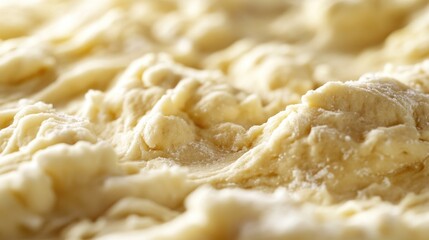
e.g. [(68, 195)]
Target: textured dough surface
[(214, 119)]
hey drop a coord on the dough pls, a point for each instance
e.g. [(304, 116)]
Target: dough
[(214, 119)]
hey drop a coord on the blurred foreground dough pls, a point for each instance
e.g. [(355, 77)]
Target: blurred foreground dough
[(210, 119)]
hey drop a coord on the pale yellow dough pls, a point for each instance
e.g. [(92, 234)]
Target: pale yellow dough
[(214, 119)]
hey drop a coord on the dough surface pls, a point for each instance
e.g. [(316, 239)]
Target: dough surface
[(214, 119)]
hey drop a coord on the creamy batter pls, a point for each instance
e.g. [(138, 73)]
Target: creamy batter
[(214, 119)]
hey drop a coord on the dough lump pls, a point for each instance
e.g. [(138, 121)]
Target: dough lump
[(214, 119)]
